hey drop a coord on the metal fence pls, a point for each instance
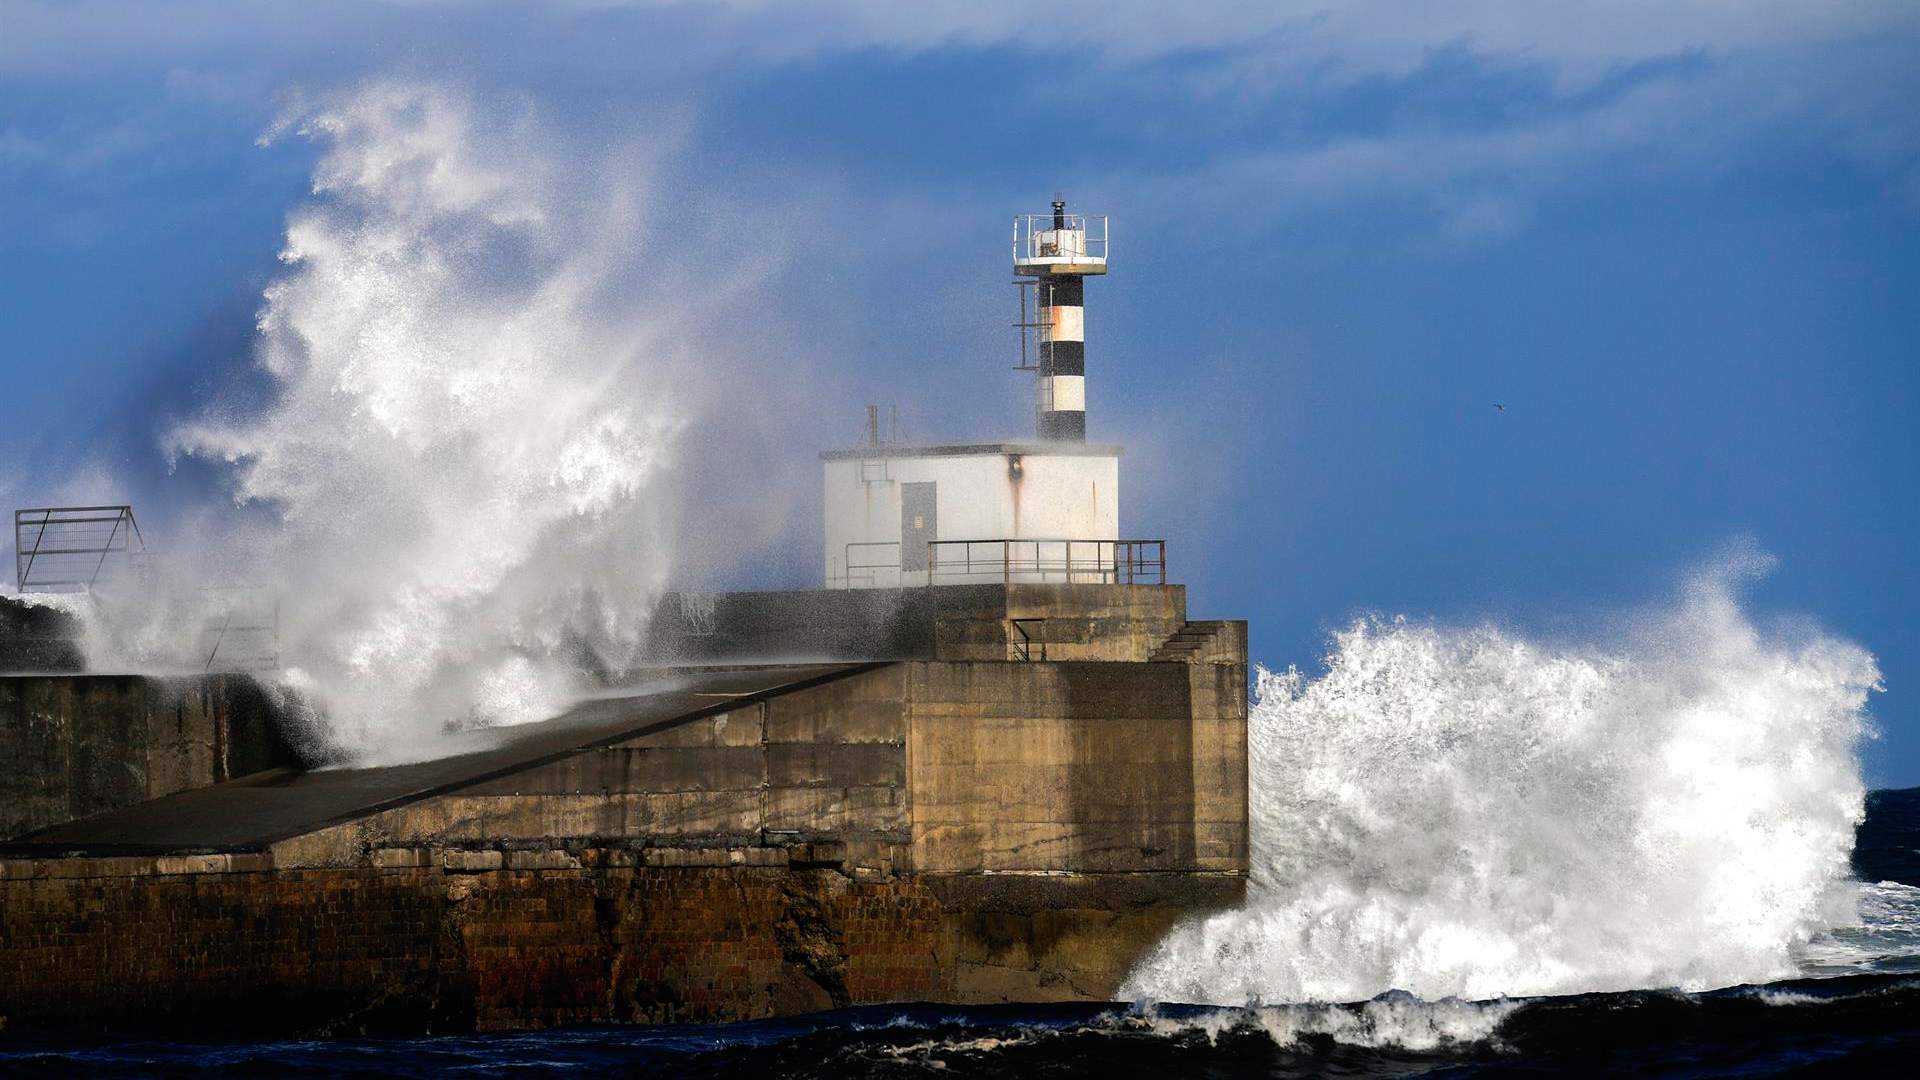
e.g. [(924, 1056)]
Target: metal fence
[(72, 547), (871, 563), (239, 629), (1104, 562), (974, 562), (1063, 237)]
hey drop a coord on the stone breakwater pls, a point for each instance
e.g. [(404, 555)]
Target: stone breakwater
[(425, 940), (707, 843)]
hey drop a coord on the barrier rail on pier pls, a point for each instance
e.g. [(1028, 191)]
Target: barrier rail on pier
[(59, 548), (1008, 561)]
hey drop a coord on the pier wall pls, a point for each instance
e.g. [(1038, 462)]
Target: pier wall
[(725, 843), (462, 939), (76, 745), (923, 766), (947, 622)]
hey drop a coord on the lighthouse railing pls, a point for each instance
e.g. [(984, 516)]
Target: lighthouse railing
[(1077, 238)]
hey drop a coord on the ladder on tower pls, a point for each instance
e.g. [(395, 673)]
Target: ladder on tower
[(1042, 333)]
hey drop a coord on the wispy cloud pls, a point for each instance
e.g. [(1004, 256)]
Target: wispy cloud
[(1358, 36)]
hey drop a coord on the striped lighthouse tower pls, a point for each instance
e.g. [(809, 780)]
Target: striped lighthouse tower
[(1057, 252)]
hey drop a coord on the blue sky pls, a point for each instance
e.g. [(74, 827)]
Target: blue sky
[(1680, 241)]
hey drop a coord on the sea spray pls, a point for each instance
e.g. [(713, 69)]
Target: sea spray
[(456, 489), (1466, 813)]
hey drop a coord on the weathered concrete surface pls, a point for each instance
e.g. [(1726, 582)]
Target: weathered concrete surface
[(1054, 767), (1022, 937), (72, 746), (942, 622), (255, 811), (813, 624), (38, 639), (723, 844), (1070, 622), (937, 766), (439, 940)]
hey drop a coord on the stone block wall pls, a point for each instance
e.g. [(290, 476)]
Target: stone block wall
[(448, 940)]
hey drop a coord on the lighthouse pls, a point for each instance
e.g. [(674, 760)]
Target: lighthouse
[(1041, 509), (1054, 254)]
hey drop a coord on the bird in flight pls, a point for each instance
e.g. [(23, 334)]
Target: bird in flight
[(1499, 406)]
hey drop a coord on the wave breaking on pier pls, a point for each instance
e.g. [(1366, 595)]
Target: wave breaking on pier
[(1464, 813)]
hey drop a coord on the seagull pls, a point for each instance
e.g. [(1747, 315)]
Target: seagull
[(1499, 406)]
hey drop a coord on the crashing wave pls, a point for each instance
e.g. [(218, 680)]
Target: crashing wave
[(1464, 813)]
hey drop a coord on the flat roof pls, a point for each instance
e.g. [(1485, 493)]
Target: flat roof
[(252, 812), (1057, 449)]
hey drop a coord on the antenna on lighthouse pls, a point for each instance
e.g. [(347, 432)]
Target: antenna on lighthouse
[(1053, 254)]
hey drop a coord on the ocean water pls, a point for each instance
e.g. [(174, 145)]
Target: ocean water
[(1853, 1008)]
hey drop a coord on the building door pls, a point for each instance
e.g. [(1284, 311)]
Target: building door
[(919, 525)]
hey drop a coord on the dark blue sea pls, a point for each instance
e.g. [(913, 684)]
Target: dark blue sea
[(1857, 1012)]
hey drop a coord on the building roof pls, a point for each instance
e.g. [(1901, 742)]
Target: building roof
[(898, 450), (251, 812)]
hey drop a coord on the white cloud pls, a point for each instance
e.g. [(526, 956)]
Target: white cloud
[(1360, 36), (1478, 179), (1745, 68)]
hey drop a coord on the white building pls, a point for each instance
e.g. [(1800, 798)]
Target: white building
[(1041, 511), (932, 515)]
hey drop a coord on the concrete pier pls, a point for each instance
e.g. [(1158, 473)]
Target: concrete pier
[(712, 843)]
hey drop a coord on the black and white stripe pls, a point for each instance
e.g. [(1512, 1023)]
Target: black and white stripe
[(1063, 357)]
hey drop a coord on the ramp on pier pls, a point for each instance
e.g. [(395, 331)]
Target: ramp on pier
[(252, 812)]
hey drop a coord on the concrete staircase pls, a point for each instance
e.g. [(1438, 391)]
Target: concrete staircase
[(1188, 641)]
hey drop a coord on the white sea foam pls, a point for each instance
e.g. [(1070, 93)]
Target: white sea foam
[(1391, 1020), (1465, 813), (457, 487), (1883, 936)]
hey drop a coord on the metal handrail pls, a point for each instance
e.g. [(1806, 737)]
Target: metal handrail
[(1111, 562), (246, 619), (1121, 562), (864, 545), (1023, 648), (1030, 229), (77, 531)]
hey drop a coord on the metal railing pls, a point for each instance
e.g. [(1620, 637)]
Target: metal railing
[(867, 562), (1110, 562), (1022, 640), (66, 547), (240, 630), (1080, 238), (870, 563)]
